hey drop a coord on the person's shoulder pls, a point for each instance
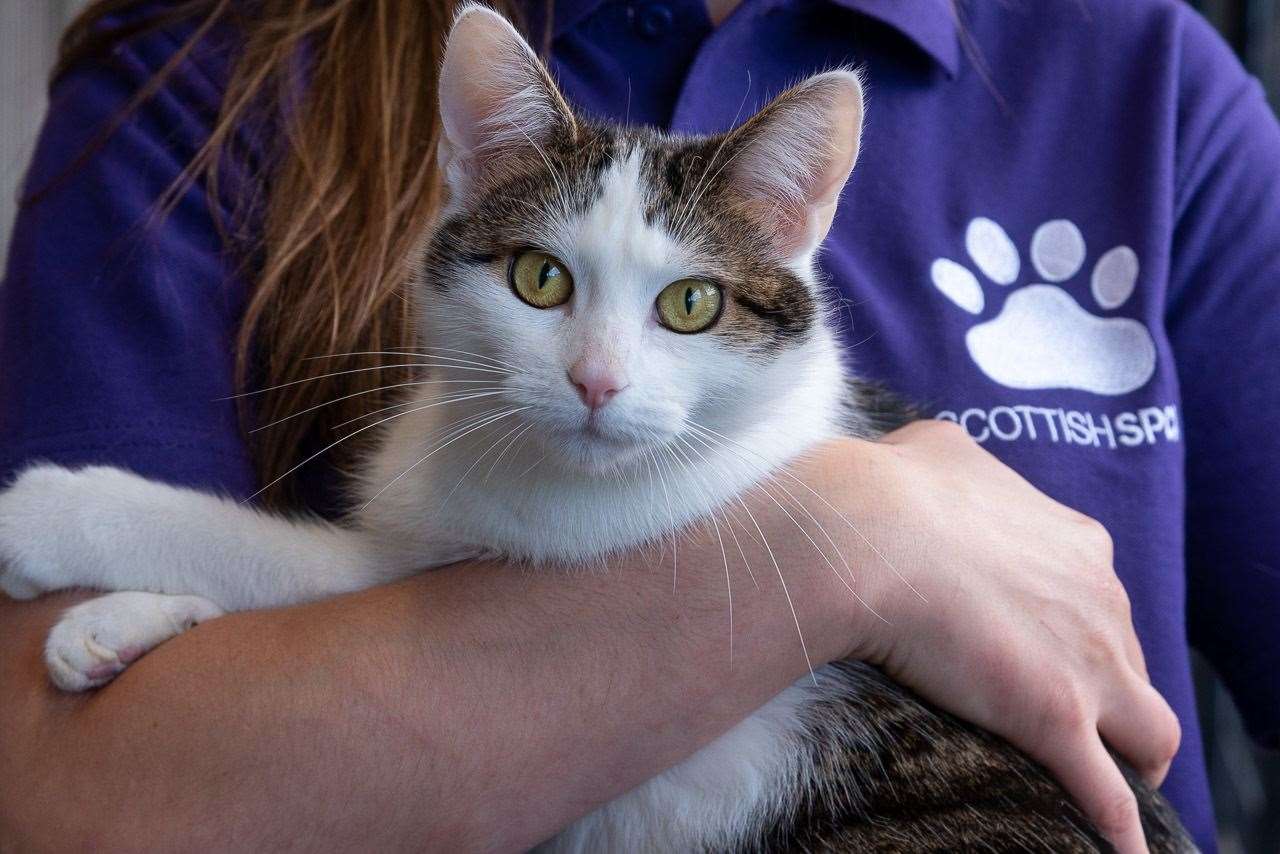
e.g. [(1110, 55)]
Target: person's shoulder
[(1108, 41), (1084, 16), (139, 39), (1124, 32)]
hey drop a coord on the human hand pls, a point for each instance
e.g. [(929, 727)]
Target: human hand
[(1020, 624)]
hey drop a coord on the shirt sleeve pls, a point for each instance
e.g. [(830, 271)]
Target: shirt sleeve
[(1224, 321), (116, 325)]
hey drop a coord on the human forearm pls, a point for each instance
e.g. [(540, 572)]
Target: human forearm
[(486, 707), (477, 707)]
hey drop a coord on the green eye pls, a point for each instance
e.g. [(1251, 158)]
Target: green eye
[(540, 279), (689, 305)]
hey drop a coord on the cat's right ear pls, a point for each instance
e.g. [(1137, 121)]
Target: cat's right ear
[(496, 98), (791, 160)]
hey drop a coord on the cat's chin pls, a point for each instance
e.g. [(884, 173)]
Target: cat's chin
[(596, 451)]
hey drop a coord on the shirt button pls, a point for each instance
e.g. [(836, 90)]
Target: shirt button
[(654, 21)]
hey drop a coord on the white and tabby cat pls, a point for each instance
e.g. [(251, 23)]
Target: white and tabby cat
[(597, 294)]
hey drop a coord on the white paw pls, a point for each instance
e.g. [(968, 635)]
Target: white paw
[(1043, 337), (93, 642)]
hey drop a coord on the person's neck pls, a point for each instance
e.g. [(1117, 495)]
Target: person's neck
[(718, 10)]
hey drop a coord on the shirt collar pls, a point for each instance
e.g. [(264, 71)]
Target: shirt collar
[(930, 24)]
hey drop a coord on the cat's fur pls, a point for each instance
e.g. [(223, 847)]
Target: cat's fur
[(852, 763)]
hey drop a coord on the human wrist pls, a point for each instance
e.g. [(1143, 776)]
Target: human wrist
[(854, 490)]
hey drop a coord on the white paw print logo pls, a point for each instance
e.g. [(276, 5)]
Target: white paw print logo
[(1042, 337)]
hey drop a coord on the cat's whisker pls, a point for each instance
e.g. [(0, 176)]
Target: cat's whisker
[(440, 361), (726, 511), (318, 377), (458, 425), (672, 518), (729, 523), (461, 394), (358, 394), (864, 340), (683, 473), (805, 510), (818, 524), (494, 360), (650, 465), (728, 581), (880, 555), (483, 357), (673, 531), (442, 435), (687, 208), (823, 529), (777, 567), (518, 438), (451, 397), (476, 462), (861, 536), (556, 178), (660, 544), (410, 350), (761, 471), (730, 520), (520, 449), (536, 463), (404, 365), (785, 591), (821, 552), (825, 558), (435, 450), (693, 204), (335, 444)]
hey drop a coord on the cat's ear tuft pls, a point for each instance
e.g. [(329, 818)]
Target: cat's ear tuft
[(496, 97), (791, 160)]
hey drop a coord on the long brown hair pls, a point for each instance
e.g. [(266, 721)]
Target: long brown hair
[(351, 188)]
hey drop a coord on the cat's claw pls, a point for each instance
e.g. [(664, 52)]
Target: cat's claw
[(95, 641)]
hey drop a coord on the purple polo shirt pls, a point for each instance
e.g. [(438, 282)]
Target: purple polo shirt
[(1063, 233)]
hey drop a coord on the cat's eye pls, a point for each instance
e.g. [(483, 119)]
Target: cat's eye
[(689, 305), (540, 279)]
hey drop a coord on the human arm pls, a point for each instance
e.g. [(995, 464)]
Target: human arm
[(468, 709), (482, 706), (479, 707)]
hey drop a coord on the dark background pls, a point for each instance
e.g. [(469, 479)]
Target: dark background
[(1245, 780), (1253, 28)]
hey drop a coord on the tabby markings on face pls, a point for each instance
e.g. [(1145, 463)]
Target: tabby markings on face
[(760, 304)]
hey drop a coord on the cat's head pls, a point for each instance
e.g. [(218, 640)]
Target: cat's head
[(624, 289)]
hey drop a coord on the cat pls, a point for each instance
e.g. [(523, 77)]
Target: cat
[(604, 291)]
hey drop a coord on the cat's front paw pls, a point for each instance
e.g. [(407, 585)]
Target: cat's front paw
[(95, 641)]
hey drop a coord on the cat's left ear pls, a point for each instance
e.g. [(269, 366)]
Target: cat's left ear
[(496, 98), (791, 160)]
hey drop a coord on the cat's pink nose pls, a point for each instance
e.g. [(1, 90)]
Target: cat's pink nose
[(596, 385)]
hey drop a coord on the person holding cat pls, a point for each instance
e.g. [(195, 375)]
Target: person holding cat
[(1003, 605)]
